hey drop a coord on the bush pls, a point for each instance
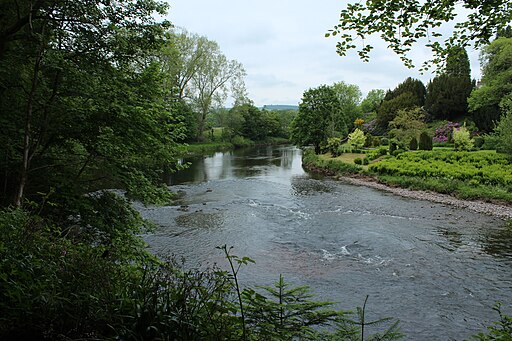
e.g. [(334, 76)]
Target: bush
[(334, 146), (392, 147), (425, 142), (365, 161), (357, 139), (413, 145), (358, 161), (384, 141), (462, 140), (491, 142), (479, 141), (504, 132)]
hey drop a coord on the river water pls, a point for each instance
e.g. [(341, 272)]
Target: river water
[(436, 268)]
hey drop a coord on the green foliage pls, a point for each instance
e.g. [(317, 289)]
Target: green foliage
[(496, 87), (314, 162), (403, 24), (447, 96), (453, 171), (462, 139), (317, 110), (334, 146), (83, 103), (425, 142), (500, 330), (412, 86), (408, 94), (504, 130), (407, 124), (358, 161), (413, 145), (349, 96), (356, 139), (285, 313), (372, 101)]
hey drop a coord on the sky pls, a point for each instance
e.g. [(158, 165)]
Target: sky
[(283, 47)]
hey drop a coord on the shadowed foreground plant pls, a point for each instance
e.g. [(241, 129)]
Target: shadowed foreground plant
[(283, 312)]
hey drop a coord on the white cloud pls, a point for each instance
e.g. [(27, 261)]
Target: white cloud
[(282, 46)]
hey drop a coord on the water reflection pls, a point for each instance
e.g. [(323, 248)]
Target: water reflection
[(243, 163), (498, 242)]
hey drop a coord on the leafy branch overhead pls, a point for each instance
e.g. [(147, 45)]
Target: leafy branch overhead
[(404, 23)]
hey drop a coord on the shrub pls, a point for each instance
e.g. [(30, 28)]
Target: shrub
[(365, 161), (413, 145), (503, 131), (384, 141), (462, 140), (425, 142), (358, 161), (334, 146), (444, 133), (392, 147), (479, 141), (357, 139)]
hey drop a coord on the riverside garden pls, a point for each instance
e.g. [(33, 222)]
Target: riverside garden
[(100, 100)]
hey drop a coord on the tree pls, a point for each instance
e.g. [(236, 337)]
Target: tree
[(372, 101), (81, 100), (389, 109), (448, 92), (425, 142), (210, 85), (349, 96), (403, 24), (407, 124), (484, 102), (316, 110), (504, 128), (408, 94), (413, 86)]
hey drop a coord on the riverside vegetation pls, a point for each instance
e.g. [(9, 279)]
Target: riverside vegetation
[(99, 95)]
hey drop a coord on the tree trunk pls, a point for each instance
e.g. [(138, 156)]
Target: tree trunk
[(25, 165)]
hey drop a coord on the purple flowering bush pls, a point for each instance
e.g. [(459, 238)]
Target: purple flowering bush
[(444, 134)]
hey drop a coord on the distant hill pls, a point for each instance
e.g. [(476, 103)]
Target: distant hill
[(277, 107)]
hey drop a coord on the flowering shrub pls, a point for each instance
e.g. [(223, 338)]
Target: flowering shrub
[(369, 127), (358, 122), (444, 133)]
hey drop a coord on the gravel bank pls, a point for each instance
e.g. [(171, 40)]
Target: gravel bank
[(500, 211)]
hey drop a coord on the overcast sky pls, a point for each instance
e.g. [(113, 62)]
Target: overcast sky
[(282, 45)]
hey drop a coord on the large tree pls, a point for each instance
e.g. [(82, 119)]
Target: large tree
[(372, 101), (496, 85), (349, 96), (407, 95), (81, 100), (316, 111), (447, 93), (404, 23)]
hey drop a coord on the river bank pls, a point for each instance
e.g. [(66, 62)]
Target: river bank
[(496, 210), (422, 189)]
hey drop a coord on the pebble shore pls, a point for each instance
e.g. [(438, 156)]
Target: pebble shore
[(496, 210)]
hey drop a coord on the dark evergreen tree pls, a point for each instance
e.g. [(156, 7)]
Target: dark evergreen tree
[(425, 141), (388, 109), (447, 94), (457, 63), (414, 86), (413, 145), (408, 94)]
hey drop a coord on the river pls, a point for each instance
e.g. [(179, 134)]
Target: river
[(436, 268)]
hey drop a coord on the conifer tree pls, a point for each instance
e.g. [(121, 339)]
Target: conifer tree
[(447, 93)]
